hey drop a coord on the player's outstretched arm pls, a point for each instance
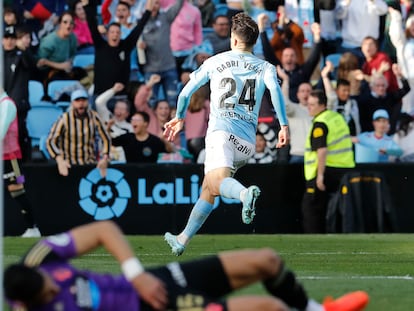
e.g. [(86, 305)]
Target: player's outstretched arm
[(107, 234), (283, 136)]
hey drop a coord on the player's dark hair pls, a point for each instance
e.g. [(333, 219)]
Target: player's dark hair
[(320, 95), (22, 283), (245, 28)]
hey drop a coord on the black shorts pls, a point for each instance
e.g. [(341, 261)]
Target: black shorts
[(193, 285), (12, 173)]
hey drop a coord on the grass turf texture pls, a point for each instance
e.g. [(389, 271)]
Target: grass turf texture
[(381, 264)]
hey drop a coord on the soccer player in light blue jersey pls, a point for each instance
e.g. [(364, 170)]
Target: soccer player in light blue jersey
[(238, 80)]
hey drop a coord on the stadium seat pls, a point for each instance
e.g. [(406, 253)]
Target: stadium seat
[(43, 148), (334, 59), (221, 9), (56, 88), (39, 121), (207, 30), (83, 60), (64, 105), (36, 92)]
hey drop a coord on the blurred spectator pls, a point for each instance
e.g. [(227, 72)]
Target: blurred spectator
[(378, 139), (122, 16), (324, 11), (299, 119), (81, 29), (297, 73), (19, 66), (56, 52), (302, 12), (112, 56), (159, 58), (374, 60), (197, 56), (43, 15), (339, 99), (349, 69), (254, 9), (159, 115), (12, 175), (403, 40), (386, 45), (140, 146), (359, 19), (287, 34), (207, 9), (73, 137), (186, 33), (375, 96), (13, 16), (220, 38), (109, 7), (197, 120), (262, 154), (234, 7), (117, 121), (24, 39), (10, 17), (404, 136)]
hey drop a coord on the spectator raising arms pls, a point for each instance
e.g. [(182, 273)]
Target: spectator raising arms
[(81, 29), (404, 45), (112, 56), (159, 58)]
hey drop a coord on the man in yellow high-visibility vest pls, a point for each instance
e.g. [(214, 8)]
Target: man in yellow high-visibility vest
[(328, 156)]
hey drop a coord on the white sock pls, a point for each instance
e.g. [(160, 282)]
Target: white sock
[(314, 306)]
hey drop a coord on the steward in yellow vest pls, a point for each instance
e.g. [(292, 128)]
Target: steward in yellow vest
[(328, 156)]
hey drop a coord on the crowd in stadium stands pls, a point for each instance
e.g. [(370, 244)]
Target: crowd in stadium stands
[(135, 55)]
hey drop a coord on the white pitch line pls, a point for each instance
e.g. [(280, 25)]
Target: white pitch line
[(361, 277)]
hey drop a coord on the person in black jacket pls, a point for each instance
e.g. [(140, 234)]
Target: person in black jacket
[(375, 96), (297, 73), (19, 66), (112, 56)]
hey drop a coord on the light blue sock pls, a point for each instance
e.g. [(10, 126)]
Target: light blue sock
[(198, 216), (230, 188)]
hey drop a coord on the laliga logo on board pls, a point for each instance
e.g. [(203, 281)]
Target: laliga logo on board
[(104, 198)]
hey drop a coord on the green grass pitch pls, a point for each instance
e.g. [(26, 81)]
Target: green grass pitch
[(381, 264)]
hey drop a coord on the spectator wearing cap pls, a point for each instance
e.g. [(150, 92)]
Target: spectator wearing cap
[(378, 139), (72, 138), (19, 66)]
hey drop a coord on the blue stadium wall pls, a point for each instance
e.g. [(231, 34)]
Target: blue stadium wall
[(152, 199)]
